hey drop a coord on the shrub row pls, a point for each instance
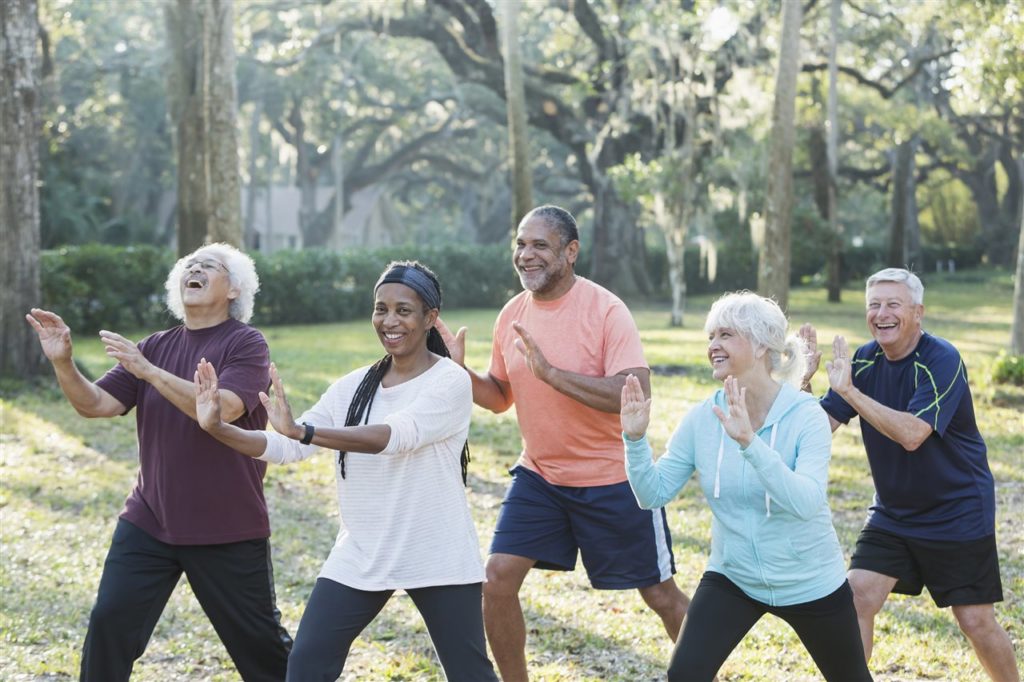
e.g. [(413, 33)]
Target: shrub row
[(122, 288)]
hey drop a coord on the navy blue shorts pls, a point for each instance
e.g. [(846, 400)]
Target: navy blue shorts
[(622, 545)]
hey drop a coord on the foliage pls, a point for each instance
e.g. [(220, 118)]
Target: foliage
[(65, 479), (1008, 369), (97, 286), (122, 288), (105, 147)]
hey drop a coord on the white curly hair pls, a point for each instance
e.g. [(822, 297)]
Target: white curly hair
[(241, 273), (761, 321)]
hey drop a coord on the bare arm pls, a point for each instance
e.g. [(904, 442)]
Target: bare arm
[(88, 399), (179, 392), (489, 392), (371, 438), (599, 393), (902, 427)]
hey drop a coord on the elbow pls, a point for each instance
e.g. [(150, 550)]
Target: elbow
[(498, 407), (912, 441)]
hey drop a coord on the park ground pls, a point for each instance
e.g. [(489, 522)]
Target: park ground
[(63, 479)]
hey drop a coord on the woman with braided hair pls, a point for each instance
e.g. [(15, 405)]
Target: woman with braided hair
[(399, 429)]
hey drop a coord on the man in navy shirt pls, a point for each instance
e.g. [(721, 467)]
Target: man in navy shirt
[(932, 522)]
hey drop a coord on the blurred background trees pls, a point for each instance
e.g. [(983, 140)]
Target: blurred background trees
[(364, 125)]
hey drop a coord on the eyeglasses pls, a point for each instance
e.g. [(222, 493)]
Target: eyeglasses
[(206, 264)]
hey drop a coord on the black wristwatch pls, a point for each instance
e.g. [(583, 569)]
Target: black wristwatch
[(307, 438)]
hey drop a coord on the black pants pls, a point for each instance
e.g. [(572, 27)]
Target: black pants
[(336, 614), (234, 583), (721, 614)]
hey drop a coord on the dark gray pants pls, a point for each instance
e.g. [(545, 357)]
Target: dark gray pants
[(234, 583), (336, 614)]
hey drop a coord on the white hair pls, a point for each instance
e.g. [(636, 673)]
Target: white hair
[(241, 273), (761, 321), (899, 276)]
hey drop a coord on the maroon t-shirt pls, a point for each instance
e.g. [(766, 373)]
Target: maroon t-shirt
[(192, 489)]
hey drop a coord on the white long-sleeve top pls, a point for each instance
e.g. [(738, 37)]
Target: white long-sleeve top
[(405, 521)]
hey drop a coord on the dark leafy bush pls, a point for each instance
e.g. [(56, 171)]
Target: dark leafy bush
[(97, 286), (122, 288)]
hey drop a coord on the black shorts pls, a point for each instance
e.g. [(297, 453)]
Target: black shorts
[(956, 573)]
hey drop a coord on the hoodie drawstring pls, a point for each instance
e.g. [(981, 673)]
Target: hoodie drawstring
[(767, 497), (718, 468)]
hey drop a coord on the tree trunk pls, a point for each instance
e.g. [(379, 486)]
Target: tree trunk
[(774, 263), (225, 224), (518, 133), (337, 239), (673, 216), (202, 92), (19, 197), (249, 229), (614, 243), (835, 228), (1017, 333)]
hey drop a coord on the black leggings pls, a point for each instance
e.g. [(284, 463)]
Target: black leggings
[(336, 614), (721, 614)]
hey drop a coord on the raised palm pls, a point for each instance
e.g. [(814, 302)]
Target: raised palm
[(278, 409), (207, 396), (456, 342), (635, 409), (54, 335)]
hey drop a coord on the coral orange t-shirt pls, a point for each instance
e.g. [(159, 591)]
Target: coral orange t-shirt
[(588, 331)]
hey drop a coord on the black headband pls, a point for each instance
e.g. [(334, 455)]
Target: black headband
[(416, 280)]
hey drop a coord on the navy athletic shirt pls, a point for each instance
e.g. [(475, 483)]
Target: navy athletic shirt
[(944, 489)]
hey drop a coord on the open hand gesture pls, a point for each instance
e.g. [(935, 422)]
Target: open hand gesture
[(809, 335), (635, 412), (840, 368), (535, 359), (737, 421), (54, 335), (278, 409), (207, 396), (128, 354), (456, 342)]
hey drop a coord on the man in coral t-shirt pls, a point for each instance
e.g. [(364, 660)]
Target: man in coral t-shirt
[(561, 352)]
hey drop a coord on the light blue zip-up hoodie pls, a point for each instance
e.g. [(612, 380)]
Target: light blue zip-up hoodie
[(772, 530)]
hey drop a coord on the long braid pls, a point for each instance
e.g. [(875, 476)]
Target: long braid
[(363, 399)]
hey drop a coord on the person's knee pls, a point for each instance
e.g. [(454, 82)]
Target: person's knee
[(975, 621), (664, 596), (504, 577), (307, 658), (110, 610), (870, 590), (688, 669)]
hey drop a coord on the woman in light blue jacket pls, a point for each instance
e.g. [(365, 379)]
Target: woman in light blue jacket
[(762, 449)]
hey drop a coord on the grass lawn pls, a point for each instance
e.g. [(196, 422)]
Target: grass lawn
[(63, 480)]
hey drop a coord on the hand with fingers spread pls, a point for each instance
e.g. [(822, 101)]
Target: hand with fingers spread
[(535, 360), (737, 421), (840, 368), (635, 414), (54, 335), (278, 409), (809, 335), (207, 396), (456, 342), (128, 354)]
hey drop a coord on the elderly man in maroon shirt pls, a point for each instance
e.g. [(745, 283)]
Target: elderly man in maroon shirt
[(197, 506)]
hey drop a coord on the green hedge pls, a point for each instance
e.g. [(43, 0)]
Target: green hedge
[(113, 287)]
